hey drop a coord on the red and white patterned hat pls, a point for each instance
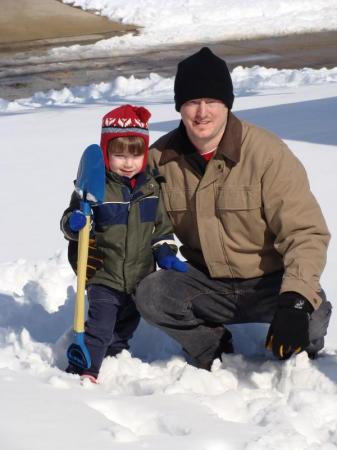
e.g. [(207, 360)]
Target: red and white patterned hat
[(126, 120)]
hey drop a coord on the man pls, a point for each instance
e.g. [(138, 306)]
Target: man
[(251, 230)]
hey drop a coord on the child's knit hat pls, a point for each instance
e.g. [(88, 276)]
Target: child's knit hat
[(126, 120)]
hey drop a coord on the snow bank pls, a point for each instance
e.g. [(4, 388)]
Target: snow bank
[(181, 21), (35, 298), (41, 282), (155, 88)]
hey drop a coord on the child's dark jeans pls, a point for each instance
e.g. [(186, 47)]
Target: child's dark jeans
[(112, 320)]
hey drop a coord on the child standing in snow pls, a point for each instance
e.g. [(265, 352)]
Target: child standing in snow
[(131, 231)]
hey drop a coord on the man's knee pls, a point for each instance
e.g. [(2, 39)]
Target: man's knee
[(148, 296), (160, 294)]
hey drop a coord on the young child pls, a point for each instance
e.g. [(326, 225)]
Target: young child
[(130, 232)]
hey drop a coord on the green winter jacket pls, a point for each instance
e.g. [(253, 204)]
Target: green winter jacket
[(127, 227)]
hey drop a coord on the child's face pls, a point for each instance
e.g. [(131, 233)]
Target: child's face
[(125, 164)]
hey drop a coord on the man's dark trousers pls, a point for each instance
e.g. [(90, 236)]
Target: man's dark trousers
[(112, 320), (192, 308)]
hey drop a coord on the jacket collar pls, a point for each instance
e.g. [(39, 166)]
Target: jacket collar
[(229, 146), (141, 178)]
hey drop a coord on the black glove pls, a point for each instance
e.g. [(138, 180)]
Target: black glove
[(289, 330)]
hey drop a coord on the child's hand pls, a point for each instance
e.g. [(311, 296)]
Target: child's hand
[(166, 259), (172, 262), (77, 220)]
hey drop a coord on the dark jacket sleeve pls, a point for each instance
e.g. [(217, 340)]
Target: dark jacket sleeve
[(163, 231), (95, 259), (64, 223)]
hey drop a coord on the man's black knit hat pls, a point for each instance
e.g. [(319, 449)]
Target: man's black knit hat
[(203, 75)]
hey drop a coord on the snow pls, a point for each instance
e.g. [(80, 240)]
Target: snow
[(250, 401), (155, 88), (181, 21), (163, 23), (152, 398)]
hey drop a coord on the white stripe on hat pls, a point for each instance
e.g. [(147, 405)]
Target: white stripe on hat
[(125, 130)]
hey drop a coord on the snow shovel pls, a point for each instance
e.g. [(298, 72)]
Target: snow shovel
[(89, 185)]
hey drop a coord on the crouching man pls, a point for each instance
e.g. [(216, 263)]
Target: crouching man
[(252, 232)]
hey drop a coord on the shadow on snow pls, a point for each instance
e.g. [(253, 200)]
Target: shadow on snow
[(312, 121)]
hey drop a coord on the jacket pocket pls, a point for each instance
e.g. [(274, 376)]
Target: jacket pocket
[(240, 212), (148, 208), (239, 198)]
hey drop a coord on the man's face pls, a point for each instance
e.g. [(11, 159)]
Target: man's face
[(205, 120)]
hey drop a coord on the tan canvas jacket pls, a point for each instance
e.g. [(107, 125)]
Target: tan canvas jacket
[(250, 214)]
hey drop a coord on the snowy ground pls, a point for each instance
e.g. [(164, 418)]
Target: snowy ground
[(250, 401)]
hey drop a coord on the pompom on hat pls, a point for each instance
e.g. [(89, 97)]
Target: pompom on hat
[(124, 121), (203, 75)]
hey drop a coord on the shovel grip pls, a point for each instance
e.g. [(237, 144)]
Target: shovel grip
[(82, 259)]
